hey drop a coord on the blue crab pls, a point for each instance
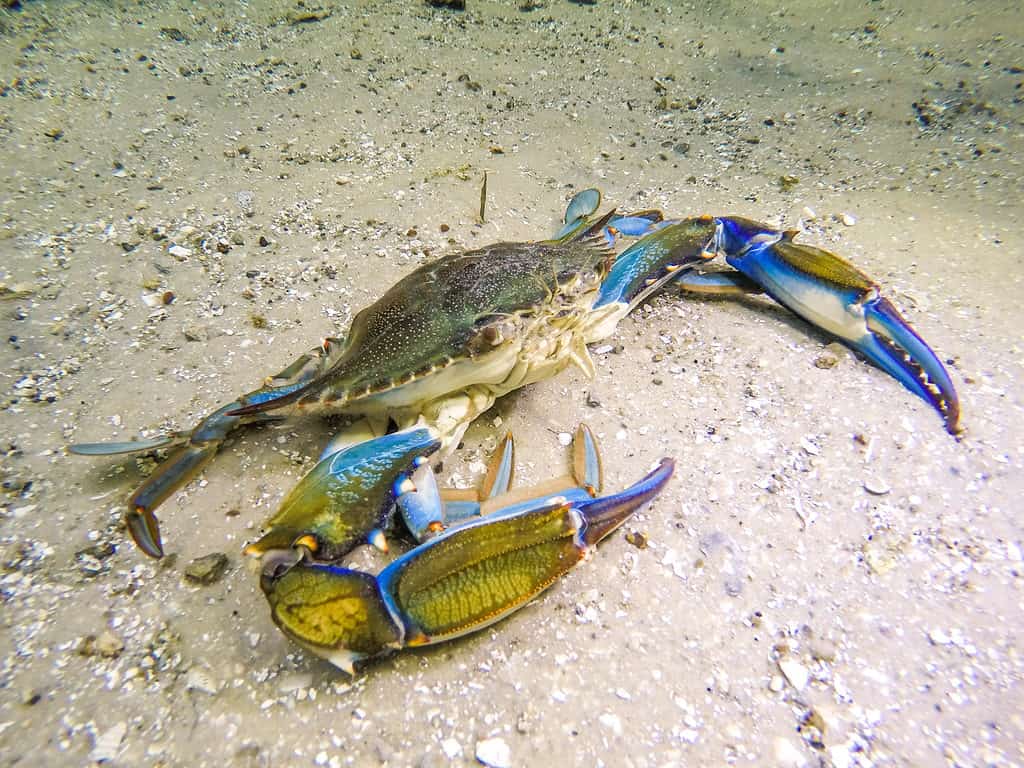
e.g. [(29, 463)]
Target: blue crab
[(442, 344)]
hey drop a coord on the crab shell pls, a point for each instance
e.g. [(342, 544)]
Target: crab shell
[(447, 340)]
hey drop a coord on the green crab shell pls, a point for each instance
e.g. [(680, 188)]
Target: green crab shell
[(499, 317)]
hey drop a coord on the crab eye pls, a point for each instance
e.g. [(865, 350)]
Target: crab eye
[(309, 542)]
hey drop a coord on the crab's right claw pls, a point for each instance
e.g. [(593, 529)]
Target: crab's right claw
[(893, 345), (832, 294)]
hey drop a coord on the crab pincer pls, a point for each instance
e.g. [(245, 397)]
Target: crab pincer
[(832, 294), (461, 581)]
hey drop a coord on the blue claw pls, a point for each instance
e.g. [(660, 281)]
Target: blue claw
[(348, 497), (582, 205), (832, 294), (895, 347), (419, 500)]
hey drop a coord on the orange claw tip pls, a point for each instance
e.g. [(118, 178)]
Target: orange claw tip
[(253, 550), (145, 530)]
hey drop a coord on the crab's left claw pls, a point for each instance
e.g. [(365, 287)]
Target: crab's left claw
[(831, 293)]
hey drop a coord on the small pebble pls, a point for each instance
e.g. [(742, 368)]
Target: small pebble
[(565, 439), (494, 753), (179, 252), (196, 333), (938, 637), (795, 672), (876, 485), (208, 569), (451, 748), (108, 644), (108, 744), (848, 219), (198, 679), (637, 538)]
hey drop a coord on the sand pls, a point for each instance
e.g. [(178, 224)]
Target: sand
[(830, 579)]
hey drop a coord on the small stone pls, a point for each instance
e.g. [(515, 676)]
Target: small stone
[(876, 485), (109, 645), (208, 569), (564, 439), (198, 679), (108, 744), (180, 252), (938, 637), (196, 333), (637, 538), (31, 696), (776, 684), (795, 672), (848, 219), (809, 213), (306, 16), (451, 748), (826, 360), (494, 753), (788, 182)]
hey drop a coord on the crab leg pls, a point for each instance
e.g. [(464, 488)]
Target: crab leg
[(191, 451), (584, 482), (832, 294), (459, 582)]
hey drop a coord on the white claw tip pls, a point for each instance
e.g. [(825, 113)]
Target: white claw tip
[(378, 540)]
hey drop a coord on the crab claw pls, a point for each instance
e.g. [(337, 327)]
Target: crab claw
[(349, 496), (893, 345), (458, 582), (832, 294)]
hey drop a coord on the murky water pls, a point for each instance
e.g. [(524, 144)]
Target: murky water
[(195, 193)]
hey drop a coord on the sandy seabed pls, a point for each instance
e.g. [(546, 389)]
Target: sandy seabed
[(194, 193)]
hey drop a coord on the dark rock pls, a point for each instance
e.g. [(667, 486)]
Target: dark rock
[(208, 569)]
